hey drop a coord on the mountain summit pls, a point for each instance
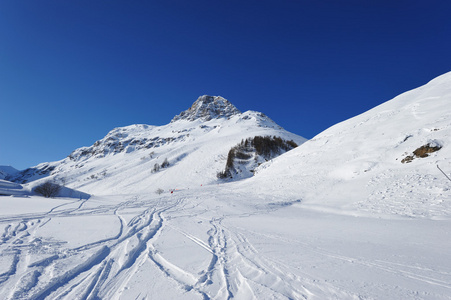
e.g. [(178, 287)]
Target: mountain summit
[(207, 108)]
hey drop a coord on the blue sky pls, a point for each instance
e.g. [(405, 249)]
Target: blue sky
[(70, 71)]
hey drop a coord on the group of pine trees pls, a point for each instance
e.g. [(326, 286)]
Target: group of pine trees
[(267, 147), (163, 165)]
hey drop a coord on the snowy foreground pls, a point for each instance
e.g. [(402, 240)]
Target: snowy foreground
[(211, 243)]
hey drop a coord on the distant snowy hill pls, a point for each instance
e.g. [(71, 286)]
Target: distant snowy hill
[(7, 171), (363, 163), (128, 159)]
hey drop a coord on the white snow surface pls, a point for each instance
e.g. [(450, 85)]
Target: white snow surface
[(339, 217)]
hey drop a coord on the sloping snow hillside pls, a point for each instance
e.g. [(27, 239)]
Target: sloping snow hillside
[(357, 165), (339, 217)]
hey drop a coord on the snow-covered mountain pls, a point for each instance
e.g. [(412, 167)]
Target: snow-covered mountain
[(195, 144), (368, 163)]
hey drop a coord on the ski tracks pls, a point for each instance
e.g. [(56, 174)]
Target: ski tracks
[(104, 269), (236, 270), (232, 268), (244, 272), (19, 241), (86, 272)]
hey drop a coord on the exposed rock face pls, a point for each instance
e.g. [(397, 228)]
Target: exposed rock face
[(207, 108), (41, 170), (423, 151), (125, 139)]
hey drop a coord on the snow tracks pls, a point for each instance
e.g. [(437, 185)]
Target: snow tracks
[(44, 258), (39, 267)]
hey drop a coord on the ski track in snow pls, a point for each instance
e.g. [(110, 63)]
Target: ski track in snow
[(19, 240)]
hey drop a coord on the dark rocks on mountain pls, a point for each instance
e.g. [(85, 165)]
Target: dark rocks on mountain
[(114, 146), (39, 171), (422, 152), (206, 108)]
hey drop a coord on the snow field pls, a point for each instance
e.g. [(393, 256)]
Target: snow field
[(207, 243)]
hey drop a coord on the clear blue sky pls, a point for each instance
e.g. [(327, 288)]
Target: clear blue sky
[(70, 71)]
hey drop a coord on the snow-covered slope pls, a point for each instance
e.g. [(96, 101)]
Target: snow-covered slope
[(356, 164), (195, 143)]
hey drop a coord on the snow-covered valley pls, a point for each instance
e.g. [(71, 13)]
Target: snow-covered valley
[(339, 217)]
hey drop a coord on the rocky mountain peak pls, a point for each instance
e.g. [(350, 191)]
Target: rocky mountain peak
[(207, 108)]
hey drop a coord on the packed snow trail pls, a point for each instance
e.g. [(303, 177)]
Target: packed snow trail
[(214, 243)]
